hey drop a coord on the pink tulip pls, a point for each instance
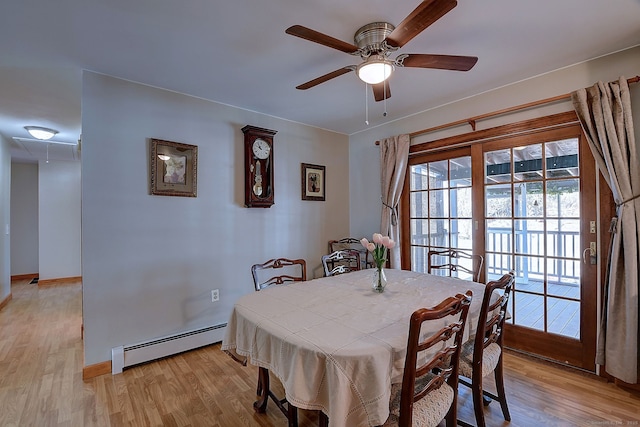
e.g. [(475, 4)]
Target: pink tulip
[(377, 238), (371, 246), (364, 242), (390, 244)]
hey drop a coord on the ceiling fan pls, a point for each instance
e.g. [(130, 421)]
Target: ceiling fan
[(376, 41)]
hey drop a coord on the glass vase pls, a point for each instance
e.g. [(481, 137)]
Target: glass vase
[(379, 280)]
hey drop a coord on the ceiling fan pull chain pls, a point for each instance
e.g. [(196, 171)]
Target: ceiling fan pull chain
[(385, 96), (47, 152), (366, 103)]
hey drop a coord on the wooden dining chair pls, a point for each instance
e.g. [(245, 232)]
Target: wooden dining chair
[(288, 270), (429, 388), (351, 243), (451, 262), (483, 355), (284, 271), (341, 261)]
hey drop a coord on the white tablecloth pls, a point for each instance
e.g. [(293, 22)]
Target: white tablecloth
[(334, 343)]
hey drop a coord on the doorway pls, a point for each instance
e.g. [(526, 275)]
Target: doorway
[(526, 204)]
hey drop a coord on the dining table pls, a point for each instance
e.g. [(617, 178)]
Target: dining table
[(335, 344)]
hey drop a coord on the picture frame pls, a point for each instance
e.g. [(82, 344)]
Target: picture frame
[(174, 168), (313, 182)]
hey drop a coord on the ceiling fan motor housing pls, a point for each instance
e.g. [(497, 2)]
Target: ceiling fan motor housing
[(369, 38)]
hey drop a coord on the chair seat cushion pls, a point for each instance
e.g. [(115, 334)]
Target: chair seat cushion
[(428, 411), (490, 358)]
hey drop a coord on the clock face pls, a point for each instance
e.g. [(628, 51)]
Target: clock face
[(261, 148)]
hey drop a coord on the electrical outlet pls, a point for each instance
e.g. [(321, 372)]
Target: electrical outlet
[(215, 295)]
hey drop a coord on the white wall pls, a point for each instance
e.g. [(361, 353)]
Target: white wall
[(5, 217), (59, 218), (150, 262), (24, 218), (364, 156)]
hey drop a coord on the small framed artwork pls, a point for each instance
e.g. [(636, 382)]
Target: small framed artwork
[(174, 169), (313, 179)]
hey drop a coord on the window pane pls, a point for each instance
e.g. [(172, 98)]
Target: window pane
[(563, 317), (528, 200), (527, 163), (563, 238), (529, 236), (497, 265), (568, 289), (563, 271), (563, 198), (419, 231), (439, 173), (460, 202), (461, 234), (460, 172), (562, 158), (419, 259), (530, 274), (439, 203), (529, 310), (498, 200), (439, 233), (498, 166), (419, 204), (419, 177), (499, 233)]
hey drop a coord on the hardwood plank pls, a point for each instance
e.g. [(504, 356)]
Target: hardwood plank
[(41, 381)]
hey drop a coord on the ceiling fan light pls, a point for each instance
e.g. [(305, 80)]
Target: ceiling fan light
[(39, 132), (375, 70)]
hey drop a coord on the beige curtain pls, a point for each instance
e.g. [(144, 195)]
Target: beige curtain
[(394, 156), (604, 111)]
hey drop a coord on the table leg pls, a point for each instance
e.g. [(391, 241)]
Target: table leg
[(323, 420), (292, 415), (260, 406)]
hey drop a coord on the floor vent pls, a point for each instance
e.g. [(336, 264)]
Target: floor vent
[(134, 354)]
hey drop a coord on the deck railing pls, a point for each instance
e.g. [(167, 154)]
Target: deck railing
[(562, 253)]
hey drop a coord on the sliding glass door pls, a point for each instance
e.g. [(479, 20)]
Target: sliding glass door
[(526, 204)]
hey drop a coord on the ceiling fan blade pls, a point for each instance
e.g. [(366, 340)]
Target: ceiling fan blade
[(323, 39), (381, 91), (325, 78), (441, 62), (428, 12)]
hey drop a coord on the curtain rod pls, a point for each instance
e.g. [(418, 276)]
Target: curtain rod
[(472, 120)]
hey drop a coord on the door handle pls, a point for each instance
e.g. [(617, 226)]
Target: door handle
[(593, 255)]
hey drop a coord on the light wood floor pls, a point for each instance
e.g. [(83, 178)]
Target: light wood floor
[(41, 381)]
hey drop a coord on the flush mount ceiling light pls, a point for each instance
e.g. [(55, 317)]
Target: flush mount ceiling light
[(376, 69), (39, 132)]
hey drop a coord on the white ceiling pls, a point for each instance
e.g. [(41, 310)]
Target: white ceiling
[(236, 52)]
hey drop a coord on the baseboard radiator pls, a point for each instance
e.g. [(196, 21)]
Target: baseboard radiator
[(134, 354)]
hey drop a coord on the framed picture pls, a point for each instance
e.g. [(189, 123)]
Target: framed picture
[(174, 168), (313, 180)]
